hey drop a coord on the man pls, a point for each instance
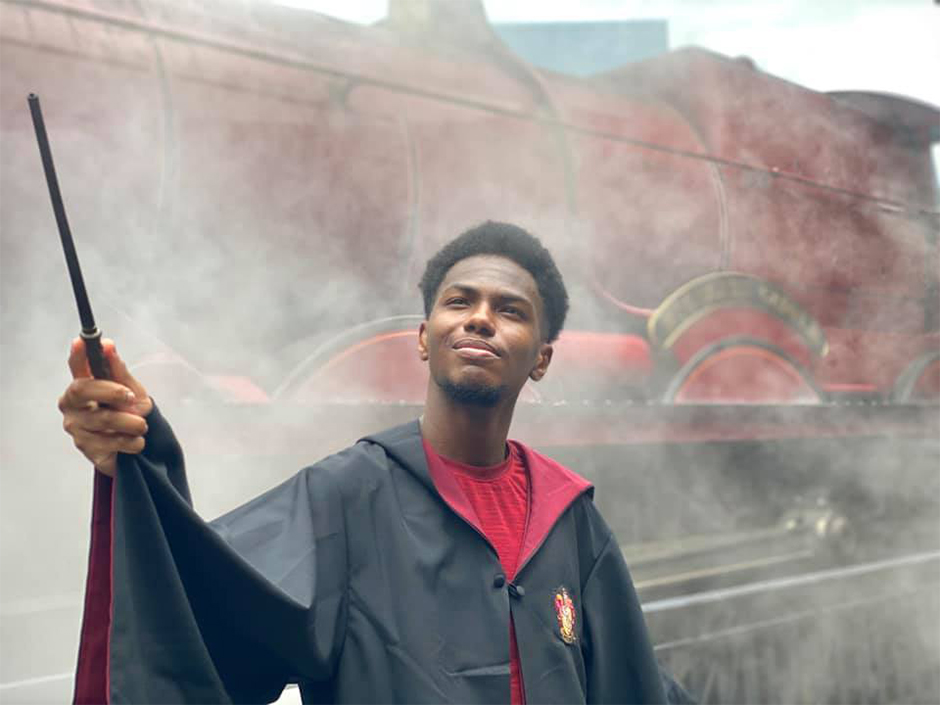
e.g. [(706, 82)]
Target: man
[(433, 562)]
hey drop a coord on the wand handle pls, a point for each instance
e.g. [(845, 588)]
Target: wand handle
[(95, 354), (90, 333)]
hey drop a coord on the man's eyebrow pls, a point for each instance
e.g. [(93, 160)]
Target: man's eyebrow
[(503, 297)]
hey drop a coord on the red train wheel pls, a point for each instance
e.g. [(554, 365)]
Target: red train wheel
[(741, 370), (920, 380)]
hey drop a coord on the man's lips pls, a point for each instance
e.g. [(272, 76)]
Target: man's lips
[(473, 347)]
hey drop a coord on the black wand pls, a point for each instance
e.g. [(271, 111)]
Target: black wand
[(90, 333)]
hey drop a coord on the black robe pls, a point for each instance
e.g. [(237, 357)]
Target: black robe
[(356, 579)]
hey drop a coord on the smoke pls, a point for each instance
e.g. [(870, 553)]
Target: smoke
[(237, 213)]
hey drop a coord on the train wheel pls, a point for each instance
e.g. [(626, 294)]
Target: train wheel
[(920, 380), (707, 323), (741, 370), (309, 380)]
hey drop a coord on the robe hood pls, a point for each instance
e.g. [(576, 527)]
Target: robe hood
[(553, 487)]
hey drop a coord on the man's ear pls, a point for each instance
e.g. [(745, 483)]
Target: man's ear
[(542, 362), (423, 341)]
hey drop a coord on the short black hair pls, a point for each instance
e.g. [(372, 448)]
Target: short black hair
[(512, 242)]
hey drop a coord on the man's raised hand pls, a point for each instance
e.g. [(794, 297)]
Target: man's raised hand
[(104, 417)]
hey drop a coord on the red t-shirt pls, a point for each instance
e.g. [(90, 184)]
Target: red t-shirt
[(500, 497)]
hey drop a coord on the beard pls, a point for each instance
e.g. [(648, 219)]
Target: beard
[(472, 393)]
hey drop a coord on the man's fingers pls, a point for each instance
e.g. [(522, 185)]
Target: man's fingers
[(129, 444), (120, 373), (123, 390), (83, 391), (99, 447), (104, 417), (78, 361), (112, 421), (76, 397)]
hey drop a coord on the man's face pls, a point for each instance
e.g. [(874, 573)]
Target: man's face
[(483, 338)]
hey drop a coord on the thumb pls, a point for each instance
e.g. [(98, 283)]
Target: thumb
[(122, 375), (78, 361)]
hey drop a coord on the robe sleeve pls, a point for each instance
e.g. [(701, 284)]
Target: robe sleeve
[(222, 612), (618, 653)]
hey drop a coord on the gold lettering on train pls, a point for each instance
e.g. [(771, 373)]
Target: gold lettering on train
[(712, 292)]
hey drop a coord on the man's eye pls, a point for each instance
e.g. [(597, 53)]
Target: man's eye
[(456, 301), (513, 311)]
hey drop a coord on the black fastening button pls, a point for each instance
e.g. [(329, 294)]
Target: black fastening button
[(516, 591), (499, 580)]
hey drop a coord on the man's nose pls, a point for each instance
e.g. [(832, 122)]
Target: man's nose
[(480, 320)]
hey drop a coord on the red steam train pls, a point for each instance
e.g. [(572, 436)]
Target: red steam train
[(754, 270), (730, 237)]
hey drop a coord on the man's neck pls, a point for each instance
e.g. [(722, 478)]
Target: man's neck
[(467, 433)]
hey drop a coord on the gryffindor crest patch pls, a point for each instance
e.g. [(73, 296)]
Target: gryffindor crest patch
[(565, 612)]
